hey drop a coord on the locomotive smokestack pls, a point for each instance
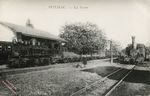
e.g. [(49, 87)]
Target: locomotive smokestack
[(133, 42)]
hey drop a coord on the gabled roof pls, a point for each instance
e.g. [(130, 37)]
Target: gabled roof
[(31, 31)]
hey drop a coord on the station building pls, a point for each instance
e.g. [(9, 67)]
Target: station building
[(28, 38)]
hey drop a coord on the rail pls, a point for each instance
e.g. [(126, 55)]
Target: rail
[(98, 81), (102, 80), (116, 84)]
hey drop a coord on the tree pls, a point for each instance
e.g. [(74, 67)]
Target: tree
[(147, 49), (128, 49), (116, 47), (83, 38)]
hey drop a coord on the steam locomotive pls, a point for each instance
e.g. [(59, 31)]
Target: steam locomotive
[(25, 46), (134, 53)]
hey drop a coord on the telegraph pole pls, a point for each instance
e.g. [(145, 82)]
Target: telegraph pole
[(111, 52)]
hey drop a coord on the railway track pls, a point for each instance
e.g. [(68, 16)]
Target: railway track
[(124, 73), (117, 83)]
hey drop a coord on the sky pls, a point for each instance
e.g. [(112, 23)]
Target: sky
[(119, 19)]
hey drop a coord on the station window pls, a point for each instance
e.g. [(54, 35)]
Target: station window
[(20, 40), (63, 44), (39, 43), (56, 46), (14, 41), (0, 47), (26, 42), (34, 42), (9, 47), (29, 42)]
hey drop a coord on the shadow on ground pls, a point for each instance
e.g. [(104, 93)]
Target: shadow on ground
[(102, 71), (136, 76)]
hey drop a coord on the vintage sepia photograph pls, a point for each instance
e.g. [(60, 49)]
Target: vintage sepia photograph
[(74, 47)]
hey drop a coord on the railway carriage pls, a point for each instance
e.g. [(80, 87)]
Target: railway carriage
[(23, 46)]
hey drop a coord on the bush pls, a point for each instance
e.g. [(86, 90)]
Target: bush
[(25, 62), (69, 57), (21, 63), (13, 63)]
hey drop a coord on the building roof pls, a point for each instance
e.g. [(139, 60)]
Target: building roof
[(31, 31)]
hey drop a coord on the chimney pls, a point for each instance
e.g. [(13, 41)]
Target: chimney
[(28, 23), (133, 42)]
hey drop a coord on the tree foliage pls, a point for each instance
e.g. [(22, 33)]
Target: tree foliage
[(83, 38)]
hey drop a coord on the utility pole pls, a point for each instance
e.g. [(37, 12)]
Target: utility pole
[(111, 52)]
